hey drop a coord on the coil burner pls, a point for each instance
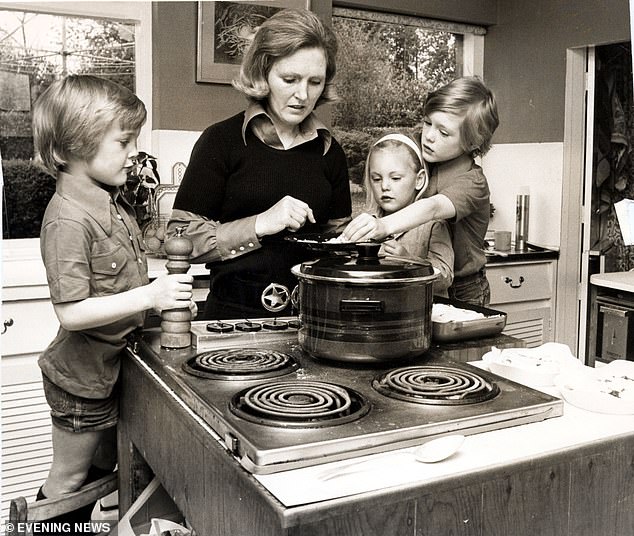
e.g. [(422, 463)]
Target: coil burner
[(435, 384), (299, 404), (240, 364)]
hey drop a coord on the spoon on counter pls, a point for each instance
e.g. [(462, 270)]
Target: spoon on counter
[(439, 449), (435, 450)]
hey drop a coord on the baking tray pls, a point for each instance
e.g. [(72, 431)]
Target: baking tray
[(492, 324)]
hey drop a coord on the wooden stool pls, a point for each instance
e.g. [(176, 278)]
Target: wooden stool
[(21, 513)]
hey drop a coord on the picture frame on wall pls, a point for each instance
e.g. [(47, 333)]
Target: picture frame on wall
[(225, 30)]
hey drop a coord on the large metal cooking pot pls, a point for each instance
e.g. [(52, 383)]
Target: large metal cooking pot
[(365, 308)]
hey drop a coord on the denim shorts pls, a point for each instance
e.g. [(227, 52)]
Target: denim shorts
[(472, 289), (78, 414)]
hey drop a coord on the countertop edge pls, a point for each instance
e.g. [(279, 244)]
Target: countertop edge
[(615, 280)]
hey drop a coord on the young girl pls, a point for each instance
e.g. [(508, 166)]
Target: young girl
[(460, 119), (395, 177), (85, 130)]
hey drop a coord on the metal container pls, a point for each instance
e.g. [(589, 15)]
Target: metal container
[(492, 324), (522, 206), (365, 308)]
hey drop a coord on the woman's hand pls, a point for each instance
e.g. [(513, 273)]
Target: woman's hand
[(288, 213), (364, 227)]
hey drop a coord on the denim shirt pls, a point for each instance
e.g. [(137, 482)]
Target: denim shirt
[(91, 246)]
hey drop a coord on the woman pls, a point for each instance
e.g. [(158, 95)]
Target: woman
[(267, 171)]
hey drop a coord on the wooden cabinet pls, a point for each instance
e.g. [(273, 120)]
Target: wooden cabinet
[(526, 291)]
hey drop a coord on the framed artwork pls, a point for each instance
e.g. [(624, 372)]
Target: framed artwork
[(225, 30)]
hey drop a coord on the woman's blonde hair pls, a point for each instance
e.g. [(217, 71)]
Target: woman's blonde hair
[(286, 32), (72, 115), (393, 140), (471, 98)]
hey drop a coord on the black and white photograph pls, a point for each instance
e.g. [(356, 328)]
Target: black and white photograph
[(317, 268)]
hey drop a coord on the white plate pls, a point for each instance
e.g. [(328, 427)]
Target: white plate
[(531, 366), (608, 389)]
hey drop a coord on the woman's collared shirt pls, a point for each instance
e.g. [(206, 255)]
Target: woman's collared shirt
[(257, 119)]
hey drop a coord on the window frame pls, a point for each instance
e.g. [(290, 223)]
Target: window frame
[(138, 13), (472, 35)]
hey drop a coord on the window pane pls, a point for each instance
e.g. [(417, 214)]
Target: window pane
[(384, 72), (36, 49)]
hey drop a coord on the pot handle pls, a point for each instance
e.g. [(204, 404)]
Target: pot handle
[(361, 306), (367, 252)]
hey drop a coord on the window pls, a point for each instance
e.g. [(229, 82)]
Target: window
[(37, 47), (386, 66)]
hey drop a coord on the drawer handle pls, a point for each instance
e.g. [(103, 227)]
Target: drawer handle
[(7, 324), (614, 311), (509, 282)]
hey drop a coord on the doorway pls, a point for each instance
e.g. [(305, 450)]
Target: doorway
[(598, 162)]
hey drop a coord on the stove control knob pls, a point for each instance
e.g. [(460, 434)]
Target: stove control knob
[(249, 327), (294, 324), (232, 443), (276, 325), (219, 327)]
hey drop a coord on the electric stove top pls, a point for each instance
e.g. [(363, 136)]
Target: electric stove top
[(277, 408)]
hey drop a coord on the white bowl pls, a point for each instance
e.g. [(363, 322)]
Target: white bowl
[(531, 366), (609, 389)]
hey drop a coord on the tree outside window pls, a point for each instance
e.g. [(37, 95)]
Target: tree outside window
[(385, 71), (35, 50)]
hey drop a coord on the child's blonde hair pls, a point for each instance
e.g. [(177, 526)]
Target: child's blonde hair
[(469, 97), (393, 140), (72, 115)]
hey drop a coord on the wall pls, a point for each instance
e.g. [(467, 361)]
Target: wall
[(525, 65), (525, 59)]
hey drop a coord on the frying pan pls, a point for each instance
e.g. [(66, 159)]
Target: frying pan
[(327, 242)]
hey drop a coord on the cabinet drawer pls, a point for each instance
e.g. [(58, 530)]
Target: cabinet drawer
[(33, 325), (520, 282)]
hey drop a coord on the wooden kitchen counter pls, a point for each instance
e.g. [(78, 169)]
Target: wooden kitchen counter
[(574, 476)]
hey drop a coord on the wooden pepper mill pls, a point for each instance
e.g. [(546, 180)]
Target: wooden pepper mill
[(176, 323)]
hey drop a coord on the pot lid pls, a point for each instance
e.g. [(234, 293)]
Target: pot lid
[(372, 269)]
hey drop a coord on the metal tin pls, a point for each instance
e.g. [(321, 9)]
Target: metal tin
[(492, 324)]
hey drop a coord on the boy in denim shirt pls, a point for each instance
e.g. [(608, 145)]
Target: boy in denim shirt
[(85, 130)]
